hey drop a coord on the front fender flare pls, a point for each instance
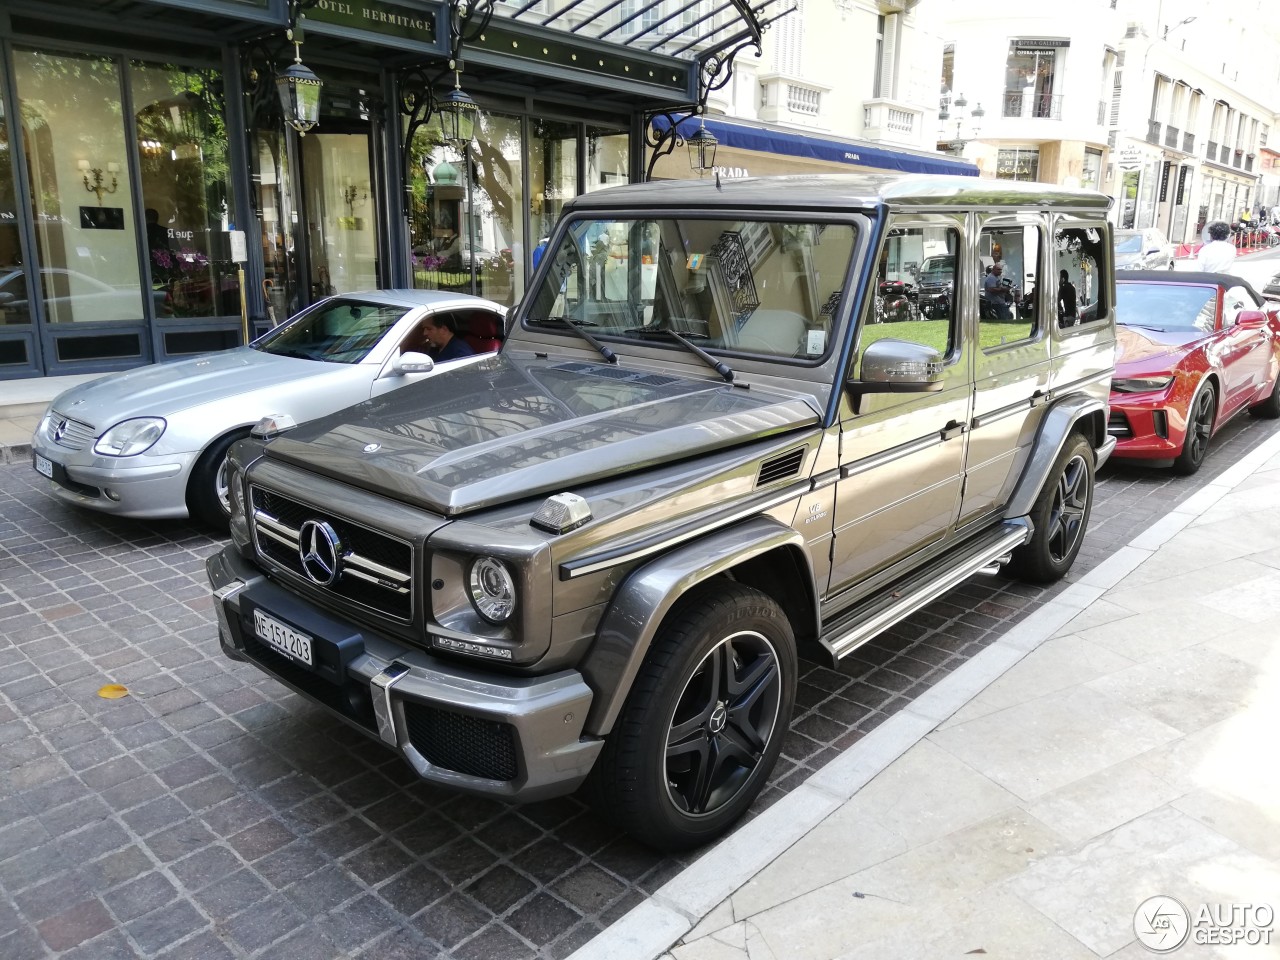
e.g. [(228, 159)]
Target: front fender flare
[(647, 596), (1057, 424)]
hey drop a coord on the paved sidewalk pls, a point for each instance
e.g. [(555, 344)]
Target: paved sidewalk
[(1117, 745)]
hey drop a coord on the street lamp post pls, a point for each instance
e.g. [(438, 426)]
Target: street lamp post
[(956, 144)]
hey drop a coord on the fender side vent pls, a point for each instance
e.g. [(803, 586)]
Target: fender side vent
[(779, 468)]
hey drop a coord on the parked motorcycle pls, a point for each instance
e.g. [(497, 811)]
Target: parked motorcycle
[(896, 301)]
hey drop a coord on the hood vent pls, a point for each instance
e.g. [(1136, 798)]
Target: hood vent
[(615, 373), (779, 468)]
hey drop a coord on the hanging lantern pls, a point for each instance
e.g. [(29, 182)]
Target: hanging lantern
[(299, 91), (298, 87), (456, 113), (702, 150)]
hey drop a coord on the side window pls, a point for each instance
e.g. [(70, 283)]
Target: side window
[(1082, 262), (914, 295), (1008, 290), (1235, 300)]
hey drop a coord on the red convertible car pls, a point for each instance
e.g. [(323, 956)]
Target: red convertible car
[(1192, 351)]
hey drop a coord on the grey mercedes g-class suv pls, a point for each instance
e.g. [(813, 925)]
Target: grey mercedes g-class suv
[(591, 559)]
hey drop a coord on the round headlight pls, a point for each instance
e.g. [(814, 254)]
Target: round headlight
[(492, 590), (130, 437)]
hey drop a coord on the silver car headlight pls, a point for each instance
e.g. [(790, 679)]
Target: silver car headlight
[(492, 589), (130, 437)]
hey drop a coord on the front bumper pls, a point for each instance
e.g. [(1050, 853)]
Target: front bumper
[(141, 486), (511, 737), (1146, 430)]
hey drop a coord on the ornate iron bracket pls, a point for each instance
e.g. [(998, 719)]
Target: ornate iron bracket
[(467, 20), (715, 70)]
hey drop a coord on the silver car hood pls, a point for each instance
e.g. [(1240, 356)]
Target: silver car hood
[(507, 429), (163, 389)]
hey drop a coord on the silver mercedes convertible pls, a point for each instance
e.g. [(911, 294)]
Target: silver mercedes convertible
[(152, 441)]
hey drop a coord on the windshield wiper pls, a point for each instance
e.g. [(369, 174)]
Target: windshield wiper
[(719, 366), (576, 326)]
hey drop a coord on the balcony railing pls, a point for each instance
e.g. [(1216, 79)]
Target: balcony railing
[(1188, 143), (1153, 131), (1102, 112), (1171, 137), (892, 120), (790, 100), (1047, 106)]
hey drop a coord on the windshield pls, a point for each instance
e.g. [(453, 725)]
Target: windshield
[(743, 286), (1129, 244), (337, 331), (1166, 306), (938, 268)]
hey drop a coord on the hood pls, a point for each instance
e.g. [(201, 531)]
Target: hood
[(163, 389), (507, 429), (1137, 346)]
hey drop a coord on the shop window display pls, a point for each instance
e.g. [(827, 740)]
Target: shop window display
[(186, 192)]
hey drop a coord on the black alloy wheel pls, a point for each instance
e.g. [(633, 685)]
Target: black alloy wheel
[(704, 720), (1059, 517), (722, 722), (1199, 429), (1070, 509)]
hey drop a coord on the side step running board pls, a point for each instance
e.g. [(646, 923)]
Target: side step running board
[(899, 600)]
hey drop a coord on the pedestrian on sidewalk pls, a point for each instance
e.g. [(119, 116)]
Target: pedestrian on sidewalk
[(1219, 253)]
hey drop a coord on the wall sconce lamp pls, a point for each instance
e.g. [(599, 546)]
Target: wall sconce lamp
[(354, 197), (93, 178)]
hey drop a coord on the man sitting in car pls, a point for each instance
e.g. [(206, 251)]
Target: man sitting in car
[(443, 342)]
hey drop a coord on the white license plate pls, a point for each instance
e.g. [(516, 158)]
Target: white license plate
[(44, 465), (294, 645)]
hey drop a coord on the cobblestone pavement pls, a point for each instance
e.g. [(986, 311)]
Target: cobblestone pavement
[(211, 814)]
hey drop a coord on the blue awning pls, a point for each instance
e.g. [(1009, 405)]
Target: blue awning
[(787, 143)]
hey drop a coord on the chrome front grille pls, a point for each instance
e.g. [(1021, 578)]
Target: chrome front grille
[(375, 569), (72, 434)]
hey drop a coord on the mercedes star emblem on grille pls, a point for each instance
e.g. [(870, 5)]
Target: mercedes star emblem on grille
[(59, 430), (320, 551)]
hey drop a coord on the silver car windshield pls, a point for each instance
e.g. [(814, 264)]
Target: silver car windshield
[(336, 331), (1129, 244), (761, 287)]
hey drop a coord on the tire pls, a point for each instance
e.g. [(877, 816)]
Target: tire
[(704, 721), (206, 488), (1195, 445), (1268, 409), (1060, 515)]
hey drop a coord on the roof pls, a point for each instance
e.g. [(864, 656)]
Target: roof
[(845, 191), (408, 297)]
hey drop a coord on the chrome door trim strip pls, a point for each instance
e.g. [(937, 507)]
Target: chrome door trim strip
[(592, 563), (893, 453)]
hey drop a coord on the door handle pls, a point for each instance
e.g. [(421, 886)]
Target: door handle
[(953, 429), (1039, 399)]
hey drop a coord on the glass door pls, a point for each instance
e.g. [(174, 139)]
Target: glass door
[(340, 204)]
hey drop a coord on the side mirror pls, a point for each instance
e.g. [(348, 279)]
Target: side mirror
[(411, 362), (1251, 319), (897, 366)]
